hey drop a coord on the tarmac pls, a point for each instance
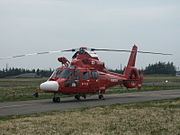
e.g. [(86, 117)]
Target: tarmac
[(44, 105)]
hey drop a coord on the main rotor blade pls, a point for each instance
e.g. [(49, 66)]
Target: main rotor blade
[(76, 49), (30, 54), (69, 50), (122, 50), (154, 53), (110, 50)]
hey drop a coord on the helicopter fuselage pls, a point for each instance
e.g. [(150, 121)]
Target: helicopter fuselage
[(84, 75)]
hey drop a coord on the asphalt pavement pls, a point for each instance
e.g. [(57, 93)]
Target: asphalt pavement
[(36, 106)]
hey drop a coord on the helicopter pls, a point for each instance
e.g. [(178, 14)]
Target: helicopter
[(86, 74)]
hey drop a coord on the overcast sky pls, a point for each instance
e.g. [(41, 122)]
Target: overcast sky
[(28, 26)]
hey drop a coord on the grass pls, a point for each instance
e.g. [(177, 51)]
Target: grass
[(149, 118), (23, 88), (20, 89)]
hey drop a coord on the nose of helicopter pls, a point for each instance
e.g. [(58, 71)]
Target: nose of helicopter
[(49, 86)]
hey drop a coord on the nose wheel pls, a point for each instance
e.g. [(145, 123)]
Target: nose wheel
[(56, 99), (77, 97)]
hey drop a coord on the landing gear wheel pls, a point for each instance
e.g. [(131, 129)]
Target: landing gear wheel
[(77, 97), (84, 96), (56, 99), (101, 97)]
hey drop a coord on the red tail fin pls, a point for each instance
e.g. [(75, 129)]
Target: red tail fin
[(131, 73), (131, 62)]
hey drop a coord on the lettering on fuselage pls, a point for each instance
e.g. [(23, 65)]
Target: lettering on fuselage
[(114, 80), (84, 83)]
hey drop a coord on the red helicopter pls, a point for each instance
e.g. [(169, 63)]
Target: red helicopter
[(85, 74)]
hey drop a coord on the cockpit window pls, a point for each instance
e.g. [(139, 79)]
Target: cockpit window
[(66, 73), (59, 73), (56, 73)]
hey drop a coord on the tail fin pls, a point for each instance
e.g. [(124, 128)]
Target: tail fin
[(131, 62), (131, 73)]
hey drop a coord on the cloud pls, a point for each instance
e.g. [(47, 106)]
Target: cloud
[(38, 25)]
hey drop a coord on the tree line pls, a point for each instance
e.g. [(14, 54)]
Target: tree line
[(157, 68), (161, 68), (18, 71)]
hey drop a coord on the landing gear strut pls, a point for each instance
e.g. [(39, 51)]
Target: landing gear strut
[(56, 99)]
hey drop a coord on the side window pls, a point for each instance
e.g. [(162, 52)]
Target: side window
[(85, 75), (94, 75), (76, 75)]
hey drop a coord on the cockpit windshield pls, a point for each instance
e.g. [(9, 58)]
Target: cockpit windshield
[(56, 73), (59, 73), (66, 73)]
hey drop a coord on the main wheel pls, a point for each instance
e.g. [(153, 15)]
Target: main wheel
[(77, 97), (84, 96), (56, 99), (101, 97)]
